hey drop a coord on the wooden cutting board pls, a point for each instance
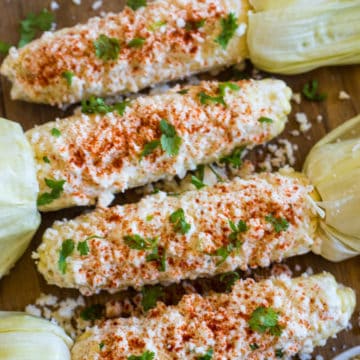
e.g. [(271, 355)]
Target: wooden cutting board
[(24, 284)]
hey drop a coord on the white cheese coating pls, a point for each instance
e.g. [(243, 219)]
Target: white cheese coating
[(112, 265), (311, 309), (98, 155), (171, 51)]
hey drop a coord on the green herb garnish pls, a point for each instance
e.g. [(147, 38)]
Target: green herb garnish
[(4, 48), (159, 258), (208, 356), (150, 295), (149, 148), (310, 91), (121, 107), (83, 248), (68, 76), (107, 48), (55, 132), (235, 158), (46, 159), (136, 43), (229, 279), (229, 26), (95, 106), (136, 242), (237, 229), (170, 141), (34, 23), (223, 252), (254, 346), (197, 182), (136, 4), (279, 353), (67, 249), (228, 85), (265, 319), (157, 25), (101, 345), (93, 312), (206, 99), (264, 119), (279, 224), (194, 25), (178, 219), (183, 91), (57, 187)]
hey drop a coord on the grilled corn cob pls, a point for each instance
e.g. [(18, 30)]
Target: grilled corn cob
[(271, 319), (93, 156), (124, 52), (164, 238)]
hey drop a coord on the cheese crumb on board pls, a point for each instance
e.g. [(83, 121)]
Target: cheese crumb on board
[(343, 95)]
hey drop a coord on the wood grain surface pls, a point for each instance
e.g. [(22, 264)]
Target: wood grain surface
[(24, 284)]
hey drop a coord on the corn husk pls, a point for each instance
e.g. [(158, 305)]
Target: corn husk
[(295, 36), (333, 166)]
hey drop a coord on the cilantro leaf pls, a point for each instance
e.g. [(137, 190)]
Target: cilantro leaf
[(228, 85), (197, 182), (213, 170), (208, 356), (254, 346), (55, 132), (237, 229), (157, 25), (206, 99), (279, 353), (235, 158), (229, 26), (264, 119), (101, 346), (150, 295), (46, 159), (310, 91), (57, 187), (136, 242), (34, 23), (229, 279), (265, 319), (136, 42), (279, 224), (149, 148), (170, 141), (147, 355), (136, 4), (4, 47), (67, 249), (95, 106), (68, 76), (83, 247), (178, 219), (120, 107), (223, 252), (183, 91), (107, 48), (159, 258), (194, 25), (198, 178), (93, 312)]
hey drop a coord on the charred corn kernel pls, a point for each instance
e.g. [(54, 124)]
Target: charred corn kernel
[(128, 51), (300, 314), (164, 238), (88, 157)]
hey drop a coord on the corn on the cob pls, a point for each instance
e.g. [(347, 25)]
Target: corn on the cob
[(164, 238), (95, 156), (124, 52), (295, 316)]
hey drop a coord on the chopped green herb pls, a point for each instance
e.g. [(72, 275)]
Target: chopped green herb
[(229, 26), (197, 182), (93, 312), (155, 191), (224, 253), (95, 106), (137, 242), (229, 279), (101, 345), (218, 176), (279, 224), (150, 295), (34, 23), (279, 353), (4, 48), (55, 132), (149, 217), (68, 76), (149, 148), (183, 91), (170, 141), (67, 249), (136, 4), (120, 107), (194, 25), (228, 85), (57, 187), (265, 119), (178, 219), (235, 158), (310, 91), (147, 355), (157, 25), (265, 319), (107, 48), (208, 356), (136, 43), (94, 237), (83, 248), (46, 159), (254, 346), (237, 229), (206, 99), (159, 258)]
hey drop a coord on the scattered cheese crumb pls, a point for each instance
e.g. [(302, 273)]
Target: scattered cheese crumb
[(303, 121), (319, 118), (297, 267), (241, 30), (356, 147), (77, 2), (294, 132), (319, 357), (33, 310), (296, 97), (97, 5), (54, 6), (343, 95)]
